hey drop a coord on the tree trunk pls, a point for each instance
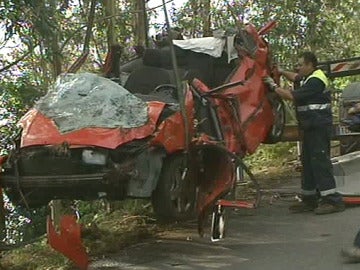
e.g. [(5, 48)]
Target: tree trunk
[(54, 44), (110, 11), (206, 18), (194, 7), (140, 23), (57, 57), (45, 11), (2, 216)]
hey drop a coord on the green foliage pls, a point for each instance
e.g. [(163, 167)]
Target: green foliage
[(23, 225), (267, 156), (16, 97), (96, 211), (8, 120)]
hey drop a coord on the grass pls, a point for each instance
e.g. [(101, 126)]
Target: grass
[(37, 256), (103, 233)]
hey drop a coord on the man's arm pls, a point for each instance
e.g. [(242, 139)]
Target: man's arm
[(284, 93), (291, 76)]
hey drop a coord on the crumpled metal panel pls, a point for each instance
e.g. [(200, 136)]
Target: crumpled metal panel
[(68, 240), (40, 130), (85, 100)]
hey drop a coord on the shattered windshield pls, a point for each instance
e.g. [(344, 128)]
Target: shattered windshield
[(84, 100)]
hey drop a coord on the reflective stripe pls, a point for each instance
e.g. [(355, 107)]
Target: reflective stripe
[(312, 107), (327, 192)]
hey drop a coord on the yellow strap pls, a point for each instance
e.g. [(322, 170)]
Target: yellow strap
[(320, 75)]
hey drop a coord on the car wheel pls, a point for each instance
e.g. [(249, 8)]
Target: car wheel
[(175, 194), (277, 129)]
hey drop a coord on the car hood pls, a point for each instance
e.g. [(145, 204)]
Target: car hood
[(86, 100), (86, 109)]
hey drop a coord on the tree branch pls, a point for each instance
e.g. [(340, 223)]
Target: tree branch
[(16, 61), (78, 63)]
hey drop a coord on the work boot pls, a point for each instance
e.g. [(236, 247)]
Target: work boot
[(351, 254), (307, 204), (326, 207)]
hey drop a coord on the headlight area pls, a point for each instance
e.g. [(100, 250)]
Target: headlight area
[(94, 157)]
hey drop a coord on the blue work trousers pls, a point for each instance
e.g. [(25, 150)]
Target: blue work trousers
[(317, 167)]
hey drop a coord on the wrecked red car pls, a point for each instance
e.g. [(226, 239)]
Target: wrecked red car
[(90, 137)]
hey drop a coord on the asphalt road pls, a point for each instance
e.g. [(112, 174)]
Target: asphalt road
[(268, 237)]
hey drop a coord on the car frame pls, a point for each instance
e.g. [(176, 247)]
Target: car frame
[(181, 157)]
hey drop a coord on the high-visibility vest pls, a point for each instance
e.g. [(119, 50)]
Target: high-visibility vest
[(320, 75), (316, 112)]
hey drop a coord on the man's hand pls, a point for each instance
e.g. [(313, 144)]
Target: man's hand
[(284, 93), (270, 82)]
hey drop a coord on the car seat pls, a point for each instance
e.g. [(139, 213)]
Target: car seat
[(145, 79)]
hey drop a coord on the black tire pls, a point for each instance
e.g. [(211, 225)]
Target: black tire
[(175, 194), (277, 129)]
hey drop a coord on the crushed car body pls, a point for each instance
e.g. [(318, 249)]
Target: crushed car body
[(90, 137)]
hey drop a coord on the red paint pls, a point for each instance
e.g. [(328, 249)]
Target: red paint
[(248, 126), (235, 204), (40, 130), (210, 190), (68, 240), (351, 200), (171, 132)]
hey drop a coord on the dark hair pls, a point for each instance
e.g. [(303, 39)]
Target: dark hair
[(309, 57)]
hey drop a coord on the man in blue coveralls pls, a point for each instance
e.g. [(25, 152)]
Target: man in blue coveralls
[(313, 109)]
